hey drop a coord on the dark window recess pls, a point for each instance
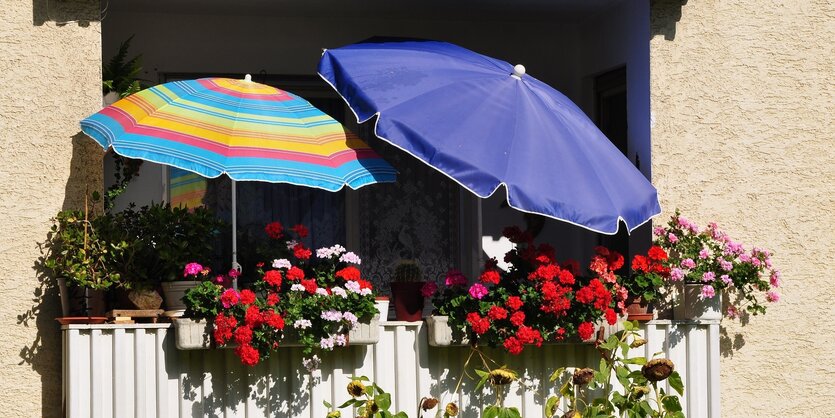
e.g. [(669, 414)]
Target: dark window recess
[(610, 116)]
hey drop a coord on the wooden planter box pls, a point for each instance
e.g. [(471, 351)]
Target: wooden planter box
[(440, 334), (191, 334)]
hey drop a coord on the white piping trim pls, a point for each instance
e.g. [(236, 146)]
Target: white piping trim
[(507, 192)]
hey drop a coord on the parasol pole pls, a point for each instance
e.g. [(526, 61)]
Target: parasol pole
[(235, 265)]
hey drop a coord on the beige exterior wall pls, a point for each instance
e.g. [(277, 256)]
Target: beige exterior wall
[(50, 80), (742, 99)]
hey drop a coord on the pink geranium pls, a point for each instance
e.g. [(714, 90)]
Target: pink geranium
[(478, 291), (429, 289)]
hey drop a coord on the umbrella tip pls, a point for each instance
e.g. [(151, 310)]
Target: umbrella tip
[(518, 71), (248, 77)]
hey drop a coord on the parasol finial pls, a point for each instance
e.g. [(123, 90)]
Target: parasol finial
[(248, 77), (518, 71)]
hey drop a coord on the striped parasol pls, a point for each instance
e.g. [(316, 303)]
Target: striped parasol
[(246, 130)]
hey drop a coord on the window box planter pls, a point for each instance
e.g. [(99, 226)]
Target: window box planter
[(196, 334), (440, 334)]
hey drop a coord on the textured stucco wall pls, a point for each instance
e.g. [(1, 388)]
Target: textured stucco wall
[(50, 80), (742, 99)]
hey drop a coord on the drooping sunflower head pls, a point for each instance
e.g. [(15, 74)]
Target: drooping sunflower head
[(502, 376), (428, 403), (451, 410), (356, 388), (582, 377), (657, 369)]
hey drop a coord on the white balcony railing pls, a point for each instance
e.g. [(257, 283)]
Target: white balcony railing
[(136, 371)]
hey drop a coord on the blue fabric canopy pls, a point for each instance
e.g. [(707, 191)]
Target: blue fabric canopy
[(470, 117)]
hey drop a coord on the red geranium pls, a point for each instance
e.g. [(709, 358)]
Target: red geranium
[(302, 253), (640, 263), (253, 317), (274, 230), (273, 278), (310, 285), (517, 319), (224, 325), (657, 253), (528, 335), (611, 316), (243, 335), (513, 345), (295, 273), (300, 230), (514, 302), (248, 354), (490, 276), (477, 323), (585, 330), (272, 299), (496, 313), (349, 273), (247, 297), (273, 319)]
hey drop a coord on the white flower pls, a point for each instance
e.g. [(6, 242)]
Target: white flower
[(352, 286), (332, 315), (327, 343), (350, 257), (350, 317), (312, 364), (321, 291), (302, 324), (297, 287), (365, 292), (282, 263), (338, 291), (324, 252), (291, 244), (340, 340)]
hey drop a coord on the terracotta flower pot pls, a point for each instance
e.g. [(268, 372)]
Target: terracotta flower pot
[(637, 309), (407, 300)]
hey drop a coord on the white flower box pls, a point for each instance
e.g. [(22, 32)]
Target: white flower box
[(191, 334), (440, 334)]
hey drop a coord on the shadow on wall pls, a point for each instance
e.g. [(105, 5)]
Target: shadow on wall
[(664, 14), (43, 354), (63, 12)]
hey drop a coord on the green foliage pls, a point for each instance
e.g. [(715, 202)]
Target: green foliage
[(161, 241), (124, 170), (408, 271), (121, 74), (374, 402), (639, 397), (203, 301), (77, 251)]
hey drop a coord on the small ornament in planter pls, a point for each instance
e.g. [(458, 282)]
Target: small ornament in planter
[(406, 291)]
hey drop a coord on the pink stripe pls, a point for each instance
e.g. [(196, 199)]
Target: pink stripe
[(211, 85), (129, 124)]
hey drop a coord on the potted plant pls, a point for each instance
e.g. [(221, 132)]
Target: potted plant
[(705, 263), (406, 291), (81, 259), (536, 300), (161, 241), (645, 283), (320, 296)]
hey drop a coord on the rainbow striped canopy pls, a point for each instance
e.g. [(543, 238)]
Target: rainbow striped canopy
[(246, 130)]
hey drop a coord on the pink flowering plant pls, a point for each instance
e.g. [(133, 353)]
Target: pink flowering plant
[(710, 257), (536, 300)]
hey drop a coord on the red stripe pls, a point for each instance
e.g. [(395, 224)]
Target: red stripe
[(334, 160), (280, 96)]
